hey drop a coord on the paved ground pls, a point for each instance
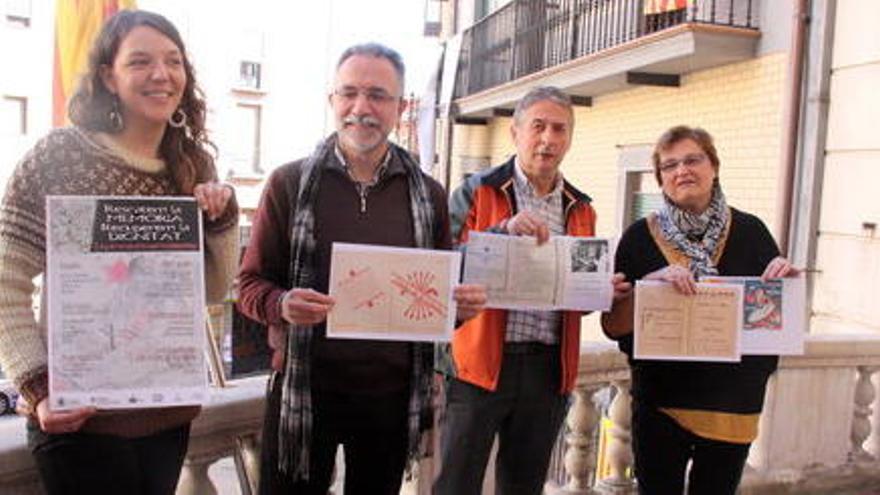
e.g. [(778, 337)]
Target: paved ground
[(225, 479)]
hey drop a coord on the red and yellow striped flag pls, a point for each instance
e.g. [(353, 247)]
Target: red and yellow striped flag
[(661, 6), (77, 22)]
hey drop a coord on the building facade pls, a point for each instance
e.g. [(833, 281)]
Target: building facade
[(635, 69), (785, 87)]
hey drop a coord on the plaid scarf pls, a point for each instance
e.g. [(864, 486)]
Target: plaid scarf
[(696, 235), (295, 427)]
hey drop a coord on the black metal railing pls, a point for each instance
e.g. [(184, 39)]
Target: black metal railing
[(526, 36)]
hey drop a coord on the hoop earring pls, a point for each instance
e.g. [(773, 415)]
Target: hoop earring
[(177, 119), (115, 117)]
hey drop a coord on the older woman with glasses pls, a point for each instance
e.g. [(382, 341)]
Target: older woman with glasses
[(705, 413)]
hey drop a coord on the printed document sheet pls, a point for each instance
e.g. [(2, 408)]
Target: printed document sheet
[(390, 293), (126, 299)]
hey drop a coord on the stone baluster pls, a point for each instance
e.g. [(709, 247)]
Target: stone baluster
[(247, 463), (580, 455), (861, 426), (194, 479), (619, 450)]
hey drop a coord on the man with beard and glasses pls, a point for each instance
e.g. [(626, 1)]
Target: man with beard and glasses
[(371, 397), (510, 372)]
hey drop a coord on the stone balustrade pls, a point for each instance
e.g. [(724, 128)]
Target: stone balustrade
[(819, 431), (18, 475), (229, 425)]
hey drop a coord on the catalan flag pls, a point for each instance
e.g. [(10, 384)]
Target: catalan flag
[(661, 6), (77, 22)]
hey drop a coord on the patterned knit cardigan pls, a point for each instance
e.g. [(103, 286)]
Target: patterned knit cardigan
[(71, 161)]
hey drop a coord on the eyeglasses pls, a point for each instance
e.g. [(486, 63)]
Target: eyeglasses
[(376, 96), (689, 161)]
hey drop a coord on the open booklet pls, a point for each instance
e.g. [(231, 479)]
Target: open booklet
[(564, 273), (673, 326), (773, 314)]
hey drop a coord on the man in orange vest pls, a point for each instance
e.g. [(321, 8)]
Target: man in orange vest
[(510, 372)]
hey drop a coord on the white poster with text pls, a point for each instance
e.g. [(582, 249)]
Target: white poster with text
[(126, 299)]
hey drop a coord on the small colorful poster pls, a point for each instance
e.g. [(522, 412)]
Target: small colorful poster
[(773, 314), (762, 305)]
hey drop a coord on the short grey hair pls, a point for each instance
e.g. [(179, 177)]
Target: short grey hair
[(376, 50), (543, 93)]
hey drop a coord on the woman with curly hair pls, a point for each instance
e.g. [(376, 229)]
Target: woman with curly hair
[(138, 130)]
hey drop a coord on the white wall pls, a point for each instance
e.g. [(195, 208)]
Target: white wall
[(848, 254), (26, 56), (294, 53)]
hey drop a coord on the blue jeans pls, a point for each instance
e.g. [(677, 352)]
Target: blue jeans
[(91, 463)]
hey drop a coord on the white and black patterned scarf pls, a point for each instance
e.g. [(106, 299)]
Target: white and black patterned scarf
[(696, 235), (295, 427)]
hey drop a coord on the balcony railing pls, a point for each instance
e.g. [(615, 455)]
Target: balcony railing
[(228, 426), (819, 430), (527, 36)]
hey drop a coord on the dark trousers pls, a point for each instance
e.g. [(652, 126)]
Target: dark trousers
[(662, 450), (89, 463), (371, 429), (525, 412)]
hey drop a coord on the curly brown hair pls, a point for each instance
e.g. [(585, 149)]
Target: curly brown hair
[(185, 149)]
